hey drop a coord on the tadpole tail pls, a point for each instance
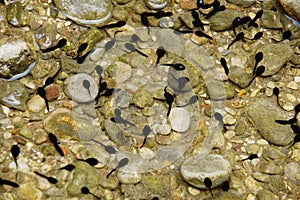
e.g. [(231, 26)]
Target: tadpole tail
[(59, 150), (107, 176)]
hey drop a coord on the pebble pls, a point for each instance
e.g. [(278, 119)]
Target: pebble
[(263, 113), (119, 71), (163, 129), (292, 85), (36, 104), (17, 58), (6, 135), (156, 4), (179, 119), (68, 125), (252, 184), (297, 79), (288, 106), (14, 95), (146, 153), (193, 191), (142, 97), (73, 88), (265, 194), (52, 92), (292, 172), (29, 190), (298, 119), (274, 155), (85, 12), (216, 90), (129, 177), (26, 132), (229, 120), (195, 168), (239, 76), (268, 167)]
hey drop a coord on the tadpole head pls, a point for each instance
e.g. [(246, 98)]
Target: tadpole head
[(260, 70)]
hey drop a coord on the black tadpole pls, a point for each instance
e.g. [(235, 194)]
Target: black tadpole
[(42, 93), (90, 161), (258, 35), (113, 25), (109, 149), (176, 66), (81, 59), (239, 36), (295, 128), (15, 151), (216, 8), (131, 47), (118, 119), (208, 184), (224, 65), (202, 34), (251, 157), (86, 84), (192, 100), (225, 186), (7, 182), (145, 21), (146, 132), (259, 71), (69, 167), (235, 23), (276, 93), (286, 35), (86, 190), (122, 163), (99, 70), (197, 22), (258, 57), (257, 16), (49, 178), (170, 99), (60, 44), (218, 116), (135, 38), (112, 42), (53, 140), (160, 52), (50, 79)]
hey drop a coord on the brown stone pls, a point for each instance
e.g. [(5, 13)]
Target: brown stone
[(52, 92)]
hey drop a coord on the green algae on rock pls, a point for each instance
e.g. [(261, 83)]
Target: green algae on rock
[(84, 12)]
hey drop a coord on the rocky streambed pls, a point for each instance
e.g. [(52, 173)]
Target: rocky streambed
[(119, 100)]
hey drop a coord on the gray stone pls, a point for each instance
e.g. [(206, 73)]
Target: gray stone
[(26, 132), (119, 71), (263, 113), (115, 132), (158, 185), (142, 97), (243, 3), (265, 195), (14, 95), (292, 7), (85, 12), (292, 172), (129, 177), (222, 21), (121, 2), (216, 90), (17, 58), (276, 184), (195, 168), (29, 190), (179, 119), (120, 14), (240, 127), (84, 175), (268, 167), (74, 89), (274, 155), (122, 99), (271, 19), (239, 76), (225, 196), (36, 104), (68, 125), (271, 60)]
